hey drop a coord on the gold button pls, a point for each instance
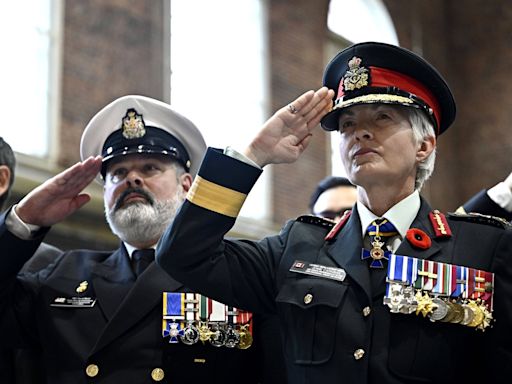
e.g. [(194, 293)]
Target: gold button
[(359, 353), (308, 298), (367, 311), (157, 374), (92, 370)]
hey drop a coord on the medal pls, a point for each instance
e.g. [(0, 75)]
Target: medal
[(172, 314), (218, 336), (458, 313), (204, 332), (377, 253), (478, 315), (190, 334), (450, 313), (440, 310), (444, 292), (411, 304), (468, 314), (245, 337), (425, 304), (483, 317), (174, 332), (399, 292), (487, 320), (394, 299), (218, 318), (232, 337)]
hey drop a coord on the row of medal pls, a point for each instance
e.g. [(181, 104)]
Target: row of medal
[(442, 292), (191, 317)]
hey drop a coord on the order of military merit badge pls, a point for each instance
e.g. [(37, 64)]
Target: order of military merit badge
[(442, 292), (191, 317)]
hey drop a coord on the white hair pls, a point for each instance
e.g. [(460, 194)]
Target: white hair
[(422, 128)]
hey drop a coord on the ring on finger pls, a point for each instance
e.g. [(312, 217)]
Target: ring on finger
[(292, 109)]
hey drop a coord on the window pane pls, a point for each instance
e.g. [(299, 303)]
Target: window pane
[(217, 74), (24, 75), (361, 20)]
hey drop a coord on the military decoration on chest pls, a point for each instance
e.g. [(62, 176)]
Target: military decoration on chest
[(439, 291), (378, 230), (191, 317)]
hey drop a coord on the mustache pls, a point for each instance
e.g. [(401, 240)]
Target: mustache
[(139, 191)]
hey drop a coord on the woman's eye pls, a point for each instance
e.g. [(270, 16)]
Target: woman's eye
[(383, 116), (346, 124)]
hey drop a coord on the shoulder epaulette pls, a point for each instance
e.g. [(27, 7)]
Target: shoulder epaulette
[(316, 220), (339, 225), (439, 224), (479, 218)]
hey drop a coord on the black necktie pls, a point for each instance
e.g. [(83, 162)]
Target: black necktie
[(141, 258)]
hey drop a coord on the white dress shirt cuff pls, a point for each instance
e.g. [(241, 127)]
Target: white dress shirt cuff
[(19, 228), (231, 152), (501, 195)]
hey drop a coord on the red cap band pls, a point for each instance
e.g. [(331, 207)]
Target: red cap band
[(381, 77)]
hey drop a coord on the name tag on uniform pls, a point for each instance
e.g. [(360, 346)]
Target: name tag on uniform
[(308, 268), (73, 302)]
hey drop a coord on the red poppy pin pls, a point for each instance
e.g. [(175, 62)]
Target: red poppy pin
[(418, 238)]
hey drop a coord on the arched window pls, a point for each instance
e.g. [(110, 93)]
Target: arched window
[(218, 76), (30, 43), (355, 21)]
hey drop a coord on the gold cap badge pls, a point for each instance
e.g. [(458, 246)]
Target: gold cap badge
[(133, 125), (356, 77)]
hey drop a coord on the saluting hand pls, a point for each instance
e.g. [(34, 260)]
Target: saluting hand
[(287, 133), (60, 196)]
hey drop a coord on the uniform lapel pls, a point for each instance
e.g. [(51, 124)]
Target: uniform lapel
[(421, 222), (145, 295), (346, 251), (112, 279)]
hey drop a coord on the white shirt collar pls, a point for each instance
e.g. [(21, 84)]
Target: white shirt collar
[(130, 249), (401, 215)]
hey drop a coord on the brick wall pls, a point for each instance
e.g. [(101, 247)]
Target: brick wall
[(470, 44), (110, 49), (297, 32)]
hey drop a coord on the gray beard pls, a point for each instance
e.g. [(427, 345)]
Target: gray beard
[(143, 222)]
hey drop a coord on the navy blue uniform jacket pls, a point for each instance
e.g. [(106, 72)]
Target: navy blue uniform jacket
[(121, 333), (322, 334)]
